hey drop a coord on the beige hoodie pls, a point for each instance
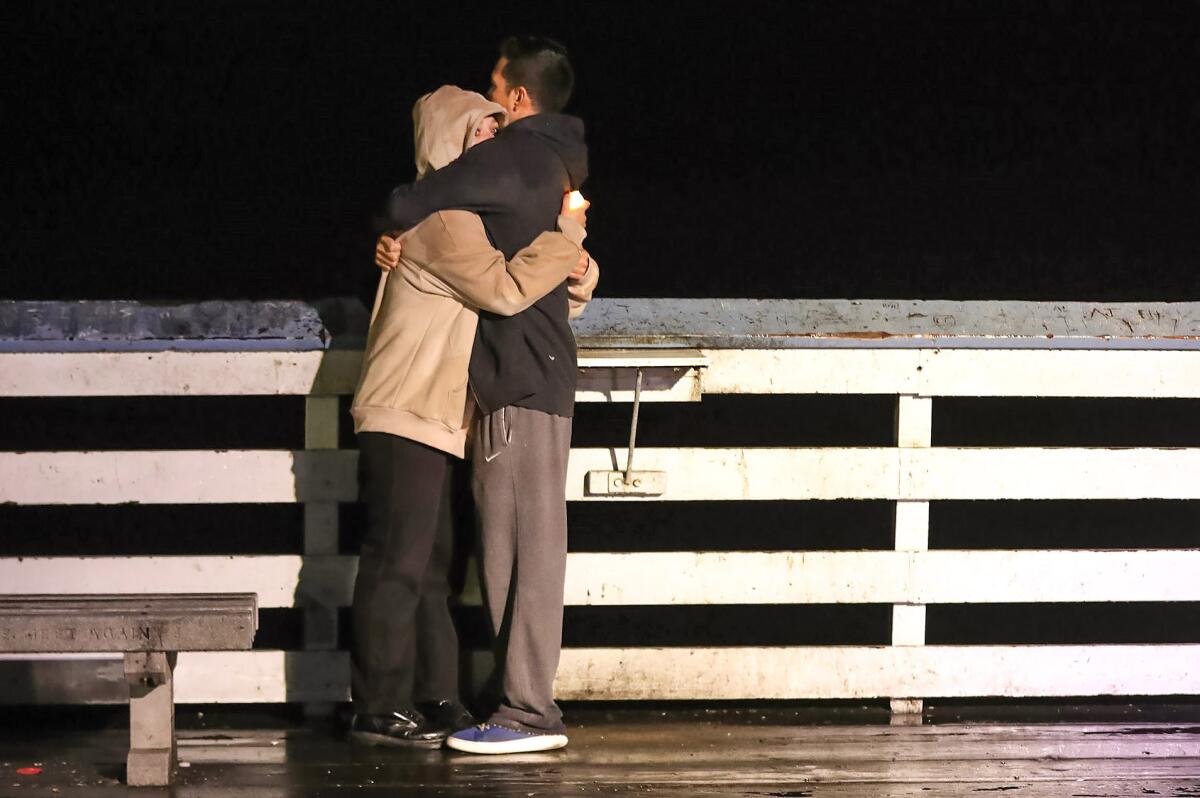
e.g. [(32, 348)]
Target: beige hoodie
[(414, 375), (444, 122)]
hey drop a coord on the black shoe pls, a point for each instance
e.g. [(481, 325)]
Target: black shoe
[(447, 715), (404, 727)]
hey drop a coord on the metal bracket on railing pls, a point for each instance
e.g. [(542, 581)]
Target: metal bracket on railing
[(637, 402), (628, 482)]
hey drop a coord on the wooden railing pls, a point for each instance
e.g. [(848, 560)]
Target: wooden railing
[(686, 349)]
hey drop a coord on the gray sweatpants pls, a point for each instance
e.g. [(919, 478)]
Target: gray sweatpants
[(519, 476)]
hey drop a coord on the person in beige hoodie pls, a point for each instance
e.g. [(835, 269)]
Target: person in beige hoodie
[(411, 412)]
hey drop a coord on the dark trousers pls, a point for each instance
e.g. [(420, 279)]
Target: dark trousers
[(405, 646)]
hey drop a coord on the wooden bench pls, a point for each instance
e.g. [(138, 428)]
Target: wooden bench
[(148, 630)]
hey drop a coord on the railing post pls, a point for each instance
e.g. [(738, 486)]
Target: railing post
[(914, 430), (320, 533)]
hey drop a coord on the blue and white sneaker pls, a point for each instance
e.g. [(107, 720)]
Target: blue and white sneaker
[(488, 738)]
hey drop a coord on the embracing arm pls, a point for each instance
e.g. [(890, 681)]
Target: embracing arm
[(475, 273), (481, 181)]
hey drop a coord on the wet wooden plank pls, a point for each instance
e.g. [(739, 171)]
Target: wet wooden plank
[(644, 753), (715, 759)]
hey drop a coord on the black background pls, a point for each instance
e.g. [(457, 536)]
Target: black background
[(972, 150)]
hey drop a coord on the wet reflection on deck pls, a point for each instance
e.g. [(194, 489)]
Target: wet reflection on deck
[(642, 752)]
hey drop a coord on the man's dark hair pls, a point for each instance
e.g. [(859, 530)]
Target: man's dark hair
[(541, 66)]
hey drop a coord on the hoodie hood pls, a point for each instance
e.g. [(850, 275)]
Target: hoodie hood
[(562, 133), (443, 122)]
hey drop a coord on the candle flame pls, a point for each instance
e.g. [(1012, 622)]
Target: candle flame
[(575, 201)]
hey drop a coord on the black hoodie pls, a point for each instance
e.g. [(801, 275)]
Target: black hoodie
[(515, 182)]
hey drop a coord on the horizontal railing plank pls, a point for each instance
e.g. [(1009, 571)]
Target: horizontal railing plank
[(881, 577), (178, 373), (903, 474), (693, 474), (279, 580), (1045, 473), (812, 371), (1102, 374), (926, 371), (250, 677), (641, 358), (670, 375), (178, 477), (672, 578), (954, 372), (618, 383), (877, 672), (726, 673), (262, 677)]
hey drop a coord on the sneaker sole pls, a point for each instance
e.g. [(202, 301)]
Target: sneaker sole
[(539, 742), (370, 738)]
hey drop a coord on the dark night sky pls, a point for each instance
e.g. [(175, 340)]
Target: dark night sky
[(986, 149)]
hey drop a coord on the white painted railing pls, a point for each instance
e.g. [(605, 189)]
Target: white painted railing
[(688, 348)]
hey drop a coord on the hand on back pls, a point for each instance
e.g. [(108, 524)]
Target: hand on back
[(387, 252)]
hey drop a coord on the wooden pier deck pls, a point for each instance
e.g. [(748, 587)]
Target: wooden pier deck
[(648, 753)]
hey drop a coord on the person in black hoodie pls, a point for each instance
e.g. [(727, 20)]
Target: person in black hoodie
[(522, 376)]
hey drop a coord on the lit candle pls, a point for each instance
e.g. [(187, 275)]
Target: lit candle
[(575, 201)]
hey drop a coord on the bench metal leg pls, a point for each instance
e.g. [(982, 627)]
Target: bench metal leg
[(151, 759)]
